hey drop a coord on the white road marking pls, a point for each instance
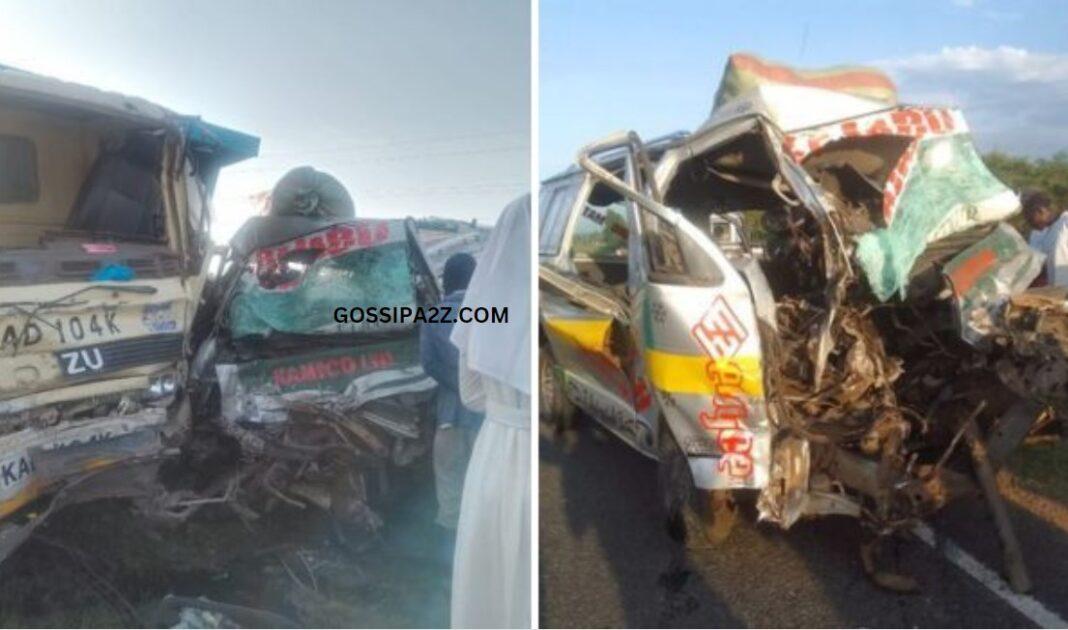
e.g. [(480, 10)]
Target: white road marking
[(1023, 604)]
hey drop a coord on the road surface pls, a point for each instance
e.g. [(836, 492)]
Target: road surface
[(606, 561)]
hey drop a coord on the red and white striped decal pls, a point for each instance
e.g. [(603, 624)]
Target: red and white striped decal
[(913, 122)]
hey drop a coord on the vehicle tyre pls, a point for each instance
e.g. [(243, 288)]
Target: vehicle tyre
[(554, 407), (697, 519)]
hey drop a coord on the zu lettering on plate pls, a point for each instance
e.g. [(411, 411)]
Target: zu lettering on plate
[(81, 361)]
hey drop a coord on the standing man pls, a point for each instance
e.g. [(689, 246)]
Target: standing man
[(457, 426), (1049, 235)]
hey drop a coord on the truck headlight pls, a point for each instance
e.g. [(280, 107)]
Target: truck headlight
[(161, 386)]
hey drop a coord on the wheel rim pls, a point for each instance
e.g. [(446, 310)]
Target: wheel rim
[(546, 385)]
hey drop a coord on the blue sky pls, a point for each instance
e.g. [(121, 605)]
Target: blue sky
[(654, 66), (419, 107)]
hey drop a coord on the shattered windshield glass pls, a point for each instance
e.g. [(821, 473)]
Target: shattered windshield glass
[(296, 287)]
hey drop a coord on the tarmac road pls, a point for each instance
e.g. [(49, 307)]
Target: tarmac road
[(606, 561)]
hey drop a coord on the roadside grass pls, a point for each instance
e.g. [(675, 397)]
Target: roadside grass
[(1042, 468)]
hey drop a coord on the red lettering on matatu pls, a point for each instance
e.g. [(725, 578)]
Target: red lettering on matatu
[(912, 122), (721, 334), (333, 241)]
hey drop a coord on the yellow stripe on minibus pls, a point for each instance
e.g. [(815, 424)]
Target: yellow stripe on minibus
[(692, 374), (588, 334)]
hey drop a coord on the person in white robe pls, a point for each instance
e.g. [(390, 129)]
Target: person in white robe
[(491, 585)]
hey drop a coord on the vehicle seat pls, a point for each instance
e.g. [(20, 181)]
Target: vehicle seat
[(120, 195)]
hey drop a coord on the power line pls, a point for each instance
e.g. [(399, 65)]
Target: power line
[(394, 143), (414, 155), (408, 191)]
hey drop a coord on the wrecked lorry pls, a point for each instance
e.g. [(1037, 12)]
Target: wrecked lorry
[(104, 246), (813, 303), (318, 407)]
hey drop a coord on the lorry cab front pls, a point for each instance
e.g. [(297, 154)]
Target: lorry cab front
[(104, 239)]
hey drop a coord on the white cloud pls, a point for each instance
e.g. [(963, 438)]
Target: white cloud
[(967, 4), (1016, 64), (1014, 99)]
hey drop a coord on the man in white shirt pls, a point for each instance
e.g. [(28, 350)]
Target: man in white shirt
[(1049, 235)]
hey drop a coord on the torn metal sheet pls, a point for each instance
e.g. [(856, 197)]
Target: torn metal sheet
[(784, 499), (1034, 329), (856, 389), (937, 186), (795, 98), (986, 275), (34, 459)]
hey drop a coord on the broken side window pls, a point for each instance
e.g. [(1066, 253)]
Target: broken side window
[(556, 202), (122, 194), (18, 170), (662, 243), (601, 231), (599, 242), (674, 256)]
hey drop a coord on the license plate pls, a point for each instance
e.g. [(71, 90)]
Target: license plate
[(118, 355), (99, 324), (82, 361)]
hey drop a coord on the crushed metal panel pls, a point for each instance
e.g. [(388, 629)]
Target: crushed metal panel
[(783, 500), (984, 276), (1035, 327), (30, 86), (132, 477), (59, 335), (296, 386), (700, 345), (346, 377), (746, 72), (939, 186), (35, 459)]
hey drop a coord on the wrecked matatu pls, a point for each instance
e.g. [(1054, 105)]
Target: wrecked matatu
[(318, 405), (812, 301), (104, 209)]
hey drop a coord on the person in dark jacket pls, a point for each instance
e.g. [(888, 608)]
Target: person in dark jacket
[(457, 426), (1049, 236)]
